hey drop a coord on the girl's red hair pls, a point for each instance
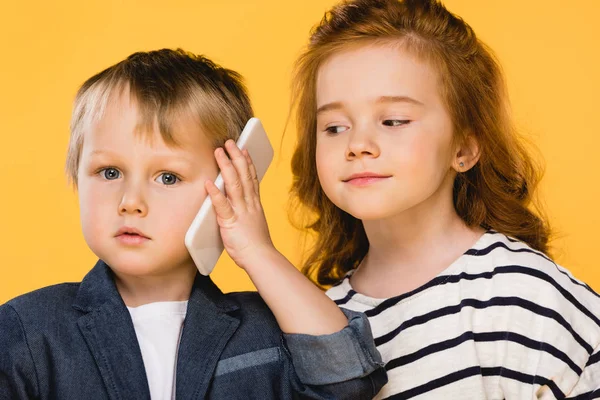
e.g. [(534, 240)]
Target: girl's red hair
[(495, 194)]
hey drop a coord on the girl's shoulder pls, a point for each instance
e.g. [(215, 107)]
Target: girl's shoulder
[(529, 278), (499, 254), (500, 270), (342, 291)]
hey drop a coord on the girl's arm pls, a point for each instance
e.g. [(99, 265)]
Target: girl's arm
[(333, 354), (298, 305), (588, 385)]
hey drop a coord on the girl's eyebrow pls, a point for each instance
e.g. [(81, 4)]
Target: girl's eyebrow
[(399, 99), (338, 105)]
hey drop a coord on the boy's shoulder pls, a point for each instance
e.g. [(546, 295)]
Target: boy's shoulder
[(34, 318), (45, 302), (251, 301), (252, 311)]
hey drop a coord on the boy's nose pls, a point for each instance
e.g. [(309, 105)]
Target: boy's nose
[(133, 202)]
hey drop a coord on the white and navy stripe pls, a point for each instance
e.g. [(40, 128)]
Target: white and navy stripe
[(502, 322)]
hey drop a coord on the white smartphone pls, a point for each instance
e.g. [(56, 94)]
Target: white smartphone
[(203, 238)]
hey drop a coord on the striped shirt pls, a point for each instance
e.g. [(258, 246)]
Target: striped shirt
[(502, 322)]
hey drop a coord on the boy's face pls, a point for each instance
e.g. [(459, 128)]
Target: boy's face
[(137, 195)]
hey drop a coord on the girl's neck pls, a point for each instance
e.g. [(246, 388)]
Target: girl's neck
[(409, 249)]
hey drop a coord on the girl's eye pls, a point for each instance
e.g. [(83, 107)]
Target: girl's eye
[(167, 179), (395, 122), (111, 173), (335, 129)]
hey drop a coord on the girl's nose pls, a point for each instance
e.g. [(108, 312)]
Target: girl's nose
[(361, 143)]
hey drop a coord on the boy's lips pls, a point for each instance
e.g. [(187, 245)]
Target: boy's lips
[(131, 236)]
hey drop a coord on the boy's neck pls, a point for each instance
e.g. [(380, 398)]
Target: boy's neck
[(140, 290)]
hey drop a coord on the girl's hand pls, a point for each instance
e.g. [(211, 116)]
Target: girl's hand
[(298, 305), (240, 214)]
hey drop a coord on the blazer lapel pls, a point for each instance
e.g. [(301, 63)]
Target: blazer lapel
[(206, 331), (110, 336)]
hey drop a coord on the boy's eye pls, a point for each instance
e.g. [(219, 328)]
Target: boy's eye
[(395, 122), (111, 174), (167, 178), (336, 129)]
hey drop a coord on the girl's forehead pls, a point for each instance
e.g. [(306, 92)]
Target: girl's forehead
[(372, 71)]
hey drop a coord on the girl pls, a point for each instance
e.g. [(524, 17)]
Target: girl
[(421, 210)]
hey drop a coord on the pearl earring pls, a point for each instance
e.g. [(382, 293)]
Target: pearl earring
[(461, 164)]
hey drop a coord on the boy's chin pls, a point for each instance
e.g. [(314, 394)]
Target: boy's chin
[(143, 266), (134, 265)]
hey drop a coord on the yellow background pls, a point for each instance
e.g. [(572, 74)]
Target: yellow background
[(549, 49)]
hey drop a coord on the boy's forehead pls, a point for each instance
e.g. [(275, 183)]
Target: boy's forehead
[(123, 119), (136, 146)]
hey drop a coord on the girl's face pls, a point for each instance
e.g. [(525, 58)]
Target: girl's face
[(384, 136)]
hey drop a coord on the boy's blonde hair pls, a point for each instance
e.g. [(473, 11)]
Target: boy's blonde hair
[(165, 84)]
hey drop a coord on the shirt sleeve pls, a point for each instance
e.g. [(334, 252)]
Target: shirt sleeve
[(17, 373), (349, 355)]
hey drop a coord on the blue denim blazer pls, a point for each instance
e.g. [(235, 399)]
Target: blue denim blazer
[(77, 341)]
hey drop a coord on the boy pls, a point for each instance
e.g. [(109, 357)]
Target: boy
[(143, 323)]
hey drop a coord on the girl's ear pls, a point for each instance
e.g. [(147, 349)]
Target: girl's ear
[(467, 154)]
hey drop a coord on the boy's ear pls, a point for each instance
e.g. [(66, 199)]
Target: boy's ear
[(467, 154)]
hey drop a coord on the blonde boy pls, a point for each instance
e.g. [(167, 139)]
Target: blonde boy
[(147, 140)]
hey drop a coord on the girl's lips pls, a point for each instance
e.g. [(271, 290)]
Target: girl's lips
[(365, 180)]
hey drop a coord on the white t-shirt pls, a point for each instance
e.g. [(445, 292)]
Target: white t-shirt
[(502, 322), (158, 330)]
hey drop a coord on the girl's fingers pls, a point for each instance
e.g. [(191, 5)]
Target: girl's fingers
[(240, 162), (233, 185), (220, 203), (253, 173)]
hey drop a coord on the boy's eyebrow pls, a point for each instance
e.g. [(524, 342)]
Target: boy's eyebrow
[(159, 156), (100, 153), (336, 105)]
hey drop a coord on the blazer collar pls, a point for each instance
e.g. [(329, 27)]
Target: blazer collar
[(109, 333)]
